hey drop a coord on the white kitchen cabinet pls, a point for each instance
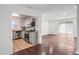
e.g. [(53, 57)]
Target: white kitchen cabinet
[(33, 37)]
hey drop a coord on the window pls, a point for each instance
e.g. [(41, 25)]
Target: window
[(66, 27)]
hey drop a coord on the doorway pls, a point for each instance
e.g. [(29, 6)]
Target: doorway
[(24, 31)]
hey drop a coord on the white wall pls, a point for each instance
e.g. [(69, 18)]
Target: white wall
[(54, 25), (5, 25), (44, 25), (5, 30), (77, 50)]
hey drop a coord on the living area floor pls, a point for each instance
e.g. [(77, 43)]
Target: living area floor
[(52, 45), (64, 43)]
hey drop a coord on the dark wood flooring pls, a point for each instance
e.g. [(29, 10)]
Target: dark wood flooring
[(52, 45), (37, 50)]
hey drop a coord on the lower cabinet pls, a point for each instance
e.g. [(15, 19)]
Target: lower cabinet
[(33, 37), (17, 34)]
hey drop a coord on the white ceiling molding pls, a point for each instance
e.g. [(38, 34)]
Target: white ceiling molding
[(66, 19)]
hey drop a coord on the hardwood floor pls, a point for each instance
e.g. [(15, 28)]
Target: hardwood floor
[(20, 44), (38, 50), (63, 44)]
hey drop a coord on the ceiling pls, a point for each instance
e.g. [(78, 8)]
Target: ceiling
[(55, 11), (49, 7)]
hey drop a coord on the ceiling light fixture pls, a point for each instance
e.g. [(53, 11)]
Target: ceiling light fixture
[(14, 14)]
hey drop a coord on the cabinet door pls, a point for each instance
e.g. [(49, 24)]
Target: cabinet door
[(33, 37), (14, 35)]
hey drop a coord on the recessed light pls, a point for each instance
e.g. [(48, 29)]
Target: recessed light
[(14, 14)]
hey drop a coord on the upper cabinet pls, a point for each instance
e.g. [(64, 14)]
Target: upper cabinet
[(16, 23), (28, 22)]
